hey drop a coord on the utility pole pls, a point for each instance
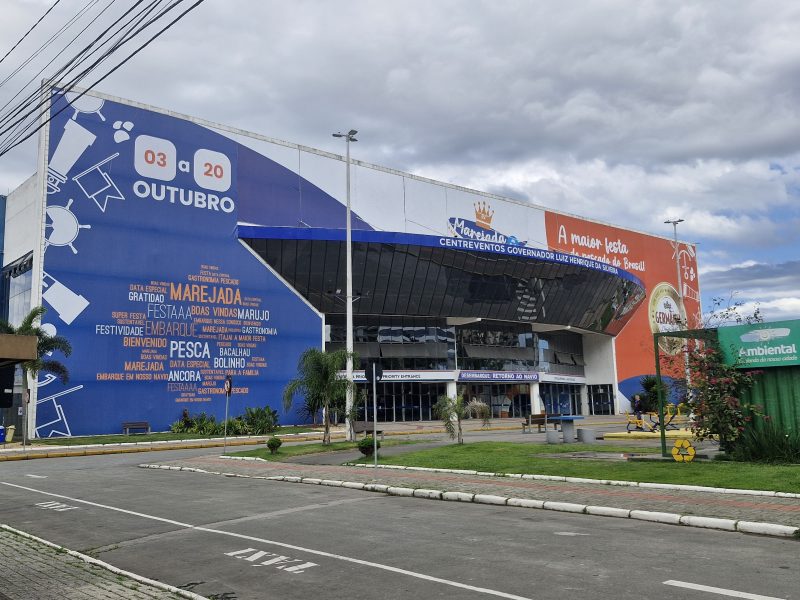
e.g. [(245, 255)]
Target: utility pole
[(349, 137)]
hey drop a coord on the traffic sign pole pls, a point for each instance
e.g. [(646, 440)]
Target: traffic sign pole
[(228, 386), (374, 416)]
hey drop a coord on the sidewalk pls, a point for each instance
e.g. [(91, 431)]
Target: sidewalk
[(15, 451), (728, 505), (33, 569)]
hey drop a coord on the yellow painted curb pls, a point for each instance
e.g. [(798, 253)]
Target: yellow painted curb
[(646, 435), (14, 457)]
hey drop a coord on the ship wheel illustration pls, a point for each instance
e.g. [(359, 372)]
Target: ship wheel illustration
[(64, 226)]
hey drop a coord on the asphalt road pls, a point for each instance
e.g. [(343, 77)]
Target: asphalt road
[(232, 538)]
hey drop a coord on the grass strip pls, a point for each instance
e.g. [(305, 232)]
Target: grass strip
[(509, 457), (164, 436), (288, 451)]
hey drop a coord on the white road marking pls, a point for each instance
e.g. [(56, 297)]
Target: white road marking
[(358, 561), (568, 533), (57, 506), (36, 476), (721, 591)]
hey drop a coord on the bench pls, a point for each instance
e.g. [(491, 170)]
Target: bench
[(539, 421), (128, 426), (366, 427)]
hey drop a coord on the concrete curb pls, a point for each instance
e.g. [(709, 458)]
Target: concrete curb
[(768, 529), (104, 565), (642, 484)]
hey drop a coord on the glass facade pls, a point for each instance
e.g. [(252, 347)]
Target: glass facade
[(506, 400), (493, 346), (401, 343), (400, 400), (15, 290), (407, 297), (15, 303), (561, 353)]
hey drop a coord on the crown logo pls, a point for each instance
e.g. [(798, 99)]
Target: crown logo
[(483, 215)]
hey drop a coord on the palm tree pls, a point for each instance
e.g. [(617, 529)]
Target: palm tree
[(320, 383), (46, 345), (650, 387), (453, 410)]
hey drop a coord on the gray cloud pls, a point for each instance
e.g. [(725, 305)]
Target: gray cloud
[(623, 111), (767, 279)]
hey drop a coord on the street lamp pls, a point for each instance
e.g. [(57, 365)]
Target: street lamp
[(349, 137), (674, 223)]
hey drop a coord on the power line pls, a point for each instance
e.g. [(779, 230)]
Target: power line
[(52, 38), (47, 12), (74, 62), (6, 119), (60, 52), (21, 127), (101, 79)]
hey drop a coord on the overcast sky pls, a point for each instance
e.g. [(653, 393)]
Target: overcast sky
[(630, 112)]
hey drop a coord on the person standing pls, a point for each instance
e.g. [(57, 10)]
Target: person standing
[(637, 411)]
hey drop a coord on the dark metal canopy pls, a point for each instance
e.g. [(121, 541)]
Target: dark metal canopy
[(407, 279)]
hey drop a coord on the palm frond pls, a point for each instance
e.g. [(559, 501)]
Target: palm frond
[(479, 410), (32, 317), (56, 368), (54, 343), (318, 381), (446, 410)]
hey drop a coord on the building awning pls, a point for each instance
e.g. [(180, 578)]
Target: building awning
[(17, 348)]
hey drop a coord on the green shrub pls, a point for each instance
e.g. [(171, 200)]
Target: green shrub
[(254, 421), (206, 425), (768, 443), (273, 444), (649, 394), (236, 426), (367, 446), (185, 425), (260, 420)]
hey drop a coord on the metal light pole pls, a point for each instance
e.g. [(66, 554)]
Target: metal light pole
[(349, 137), (674, 223), (661, 399)]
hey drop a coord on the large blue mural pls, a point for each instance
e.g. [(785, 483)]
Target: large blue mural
[(144, 274)]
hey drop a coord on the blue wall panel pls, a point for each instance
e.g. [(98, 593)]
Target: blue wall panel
[(145, 276)]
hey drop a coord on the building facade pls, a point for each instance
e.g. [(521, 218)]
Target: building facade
[(173, 252)]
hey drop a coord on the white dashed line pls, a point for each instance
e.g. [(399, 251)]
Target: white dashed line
[(720, 591)]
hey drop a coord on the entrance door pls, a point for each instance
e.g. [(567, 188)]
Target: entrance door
[(601, 399), (561, 398)]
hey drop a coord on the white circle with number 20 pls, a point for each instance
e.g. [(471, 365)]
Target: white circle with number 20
[(212, 170)]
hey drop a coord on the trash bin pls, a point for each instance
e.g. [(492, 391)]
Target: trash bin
[(2, 434), (10, 433)]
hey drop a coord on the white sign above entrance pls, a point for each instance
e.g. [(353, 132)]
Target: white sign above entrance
[(358, 376), (550, 378), (498, 376)]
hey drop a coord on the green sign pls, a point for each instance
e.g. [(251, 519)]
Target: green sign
[(761, 344)]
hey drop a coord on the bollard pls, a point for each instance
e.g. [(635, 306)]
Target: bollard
[(553, 437)]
